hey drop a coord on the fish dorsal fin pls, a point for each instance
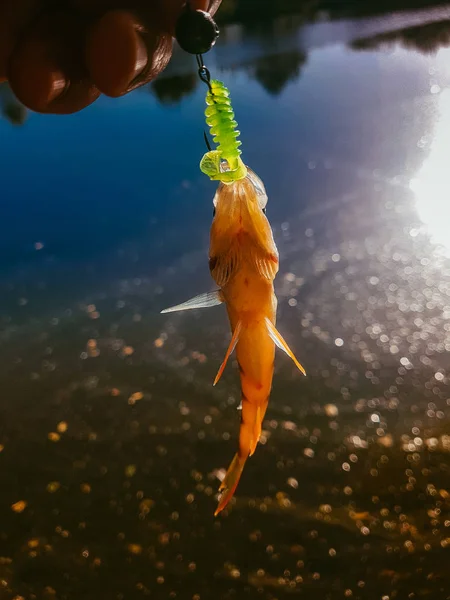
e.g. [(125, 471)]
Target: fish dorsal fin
[(231, 347), (279, 341), (201, 301)]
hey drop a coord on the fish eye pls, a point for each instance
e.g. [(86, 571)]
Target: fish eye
[(264, 210), (214, 212)]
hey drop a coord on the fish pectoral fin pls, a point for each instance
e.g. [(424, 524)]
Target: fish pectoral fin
[(266, 263), (201, 301), (268, 266), (224, 262), (279, 341), (231, 347)]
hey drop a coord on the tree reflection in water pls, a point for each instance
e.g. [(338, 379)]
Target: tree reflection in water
[(427, 39), (171, 90), (275, 71), (12, 110)]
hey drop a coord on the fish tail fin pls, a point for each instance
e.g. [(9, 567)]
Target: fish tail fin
[(246, 442), (230, 482), (277, 338)]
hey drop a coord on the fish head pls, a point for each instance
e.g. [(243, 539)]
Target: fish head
[(239, 203), (240, 229)]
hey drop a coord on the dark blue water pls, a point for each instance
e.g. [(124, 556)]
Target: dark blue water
[(110, 431), (126, 170)]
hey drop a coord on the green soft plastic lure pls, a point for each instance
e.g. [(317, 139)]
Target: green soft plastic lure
[(223, 164)]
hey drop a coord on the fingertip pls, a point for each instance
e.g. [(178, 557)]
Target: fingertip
[(199, 4), (210, 6), (123, 53), (115, 52), (45, 71), (34, 81)]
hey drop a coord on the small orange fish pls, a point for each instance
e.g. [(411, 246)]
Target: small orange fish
[(243, 261)]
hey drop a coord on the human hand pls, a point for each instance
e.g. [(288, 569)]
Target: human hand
[(60, 55)]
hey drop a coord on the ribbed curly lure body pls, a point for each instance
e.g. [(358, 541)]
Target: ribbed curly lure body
[(224, 163)]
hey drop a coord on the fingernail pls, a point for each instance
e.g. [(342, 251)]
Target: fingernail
[(57, 86), (141, 59)]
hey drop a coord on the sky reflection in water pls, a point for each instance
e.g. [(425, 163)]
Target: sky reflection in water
[(112, 439)]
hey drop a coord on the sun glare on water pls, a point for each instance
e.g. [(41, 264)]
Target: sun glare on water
[(431, 185)]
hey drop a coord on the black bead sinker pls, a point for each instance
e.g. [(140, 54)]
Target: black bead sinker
[(196, 31)]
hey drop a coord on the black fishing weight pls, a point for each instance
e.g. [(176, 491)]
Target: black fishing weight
[(196, 31)]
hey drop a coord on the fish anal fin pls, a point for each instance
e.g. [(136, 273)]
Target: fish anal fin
[(231, 347), (230, 483), (201, 301), (256, 431), (279, 341)]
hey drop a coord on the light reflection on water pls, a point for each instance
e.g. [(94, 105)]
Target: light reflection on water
[(431, 185), (110, 431)]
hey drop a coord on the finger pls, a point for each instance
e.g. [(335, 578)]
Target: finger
[(14, 16), (210, 6), (46, 70), (214, 6), (124, 51)]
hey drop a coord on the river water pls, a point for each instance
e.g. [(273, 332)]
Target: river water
[(113, 440)]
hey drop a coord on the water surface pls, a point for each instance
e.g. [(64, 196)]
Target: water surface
[(113, 440)]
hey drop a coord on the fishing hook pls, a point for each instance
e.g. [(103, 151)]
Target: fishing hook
[(205, 137), (205, 76), (203, 72)]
